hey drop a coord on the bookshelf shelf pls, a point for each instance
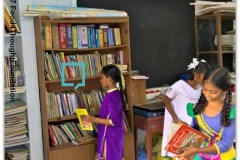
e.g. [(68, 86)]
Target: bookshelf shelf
[(79, 78), (71, 117), (7, 35), (93, 20), (204, 38), (87, 49), (17, 89), (215, 52), (70, 145), (53, 88), (230, 16)]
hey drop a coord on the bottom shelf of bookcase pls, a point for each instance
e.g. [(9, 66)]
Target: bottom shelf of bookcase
[(73, 152), (87, 151)]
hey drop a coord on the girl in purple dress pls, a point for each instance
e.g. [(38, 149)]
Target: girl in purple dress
[(111, 118)]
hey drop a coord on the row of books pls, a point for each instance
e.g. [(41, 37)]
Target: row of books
[(15, 123), (66, 103), (69, 36), (93, 63), (70, 131), (12, 74), (66, 132), (9, 21)]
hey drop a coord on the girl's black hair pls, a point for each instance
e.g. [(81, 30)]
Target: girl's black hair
[(219, 77), (114, 72), (201, 68)]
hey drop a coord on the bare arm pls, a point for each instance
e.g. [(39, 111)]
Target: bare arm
[(188, 152), (170, 109), (90, 118)]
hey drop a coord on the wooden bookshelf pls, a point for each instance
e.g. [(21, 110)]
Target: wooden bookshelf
[(87, 150), (219, 18)]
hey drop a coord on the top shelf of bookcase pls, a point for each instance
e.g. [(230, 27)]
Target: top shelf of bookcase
[(230, 16), (85, 49), (94, 20)]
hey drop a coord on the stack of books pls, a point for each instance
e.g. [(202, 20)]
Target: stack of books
[(17, 153), (15, 129)]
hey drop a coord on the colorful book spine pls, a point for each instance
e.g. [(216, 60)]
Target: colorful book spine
[(117, 36), (89, 37), (79, 39), (69, 36), (62, 36), (48, 35), (74, 37), (97, 38), (110, 37), (84, 36), (105, 37), (55, 37), (101, 41), (93, 37)]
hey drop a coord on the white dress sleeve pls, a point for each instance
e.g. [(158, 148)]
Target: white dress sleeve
[(171, 93)]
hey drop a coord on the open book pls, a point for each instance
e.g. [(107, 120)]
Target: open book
[(84, 125), (184, 136)]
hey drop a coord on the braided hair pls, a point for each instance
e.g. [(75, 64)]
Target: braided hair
[(114, 72), (201, 68), (219, 77)]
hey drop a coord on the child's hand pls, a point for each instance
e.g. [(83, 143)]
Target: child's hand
[(177, 121), (182, 122), (186, 153)]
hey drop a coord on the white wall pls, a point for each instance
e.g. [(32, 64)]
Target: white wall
[(31, 84)]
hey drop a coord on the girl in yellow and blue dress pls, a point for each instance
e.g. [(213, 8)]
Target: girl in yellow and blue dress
[(213, 115)]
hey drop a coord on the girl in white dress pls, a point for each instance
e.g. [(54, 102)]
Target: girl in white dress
[(179, 95)]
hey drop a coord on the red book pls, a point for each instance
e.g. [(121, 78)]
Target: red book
[(185, 136), (51, 134), (62, 31), (69, 70)]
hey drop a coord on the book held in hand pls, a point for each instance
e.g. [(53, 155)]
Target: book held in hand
[(185, 136), (84, 125)]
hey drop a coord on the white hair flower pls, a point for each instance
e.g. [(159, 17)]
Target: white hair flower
[(194, 64)]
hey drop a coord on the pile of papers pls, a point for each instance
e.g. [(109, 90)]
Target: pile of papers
[(70, 12), (139, 77), (228, 41), (205, 7)]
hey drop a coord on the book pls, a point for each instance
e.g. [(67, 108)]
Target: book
[(48, 36), (84, 125), (185, 136), (76, 142), (9, 20)]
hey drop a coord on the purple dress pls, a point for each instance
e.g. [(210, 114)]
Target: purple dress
[(111, 108)]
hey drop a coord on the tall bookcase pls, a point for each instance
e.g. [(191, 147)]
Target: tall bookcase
[(206, 28), (84, 151)]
